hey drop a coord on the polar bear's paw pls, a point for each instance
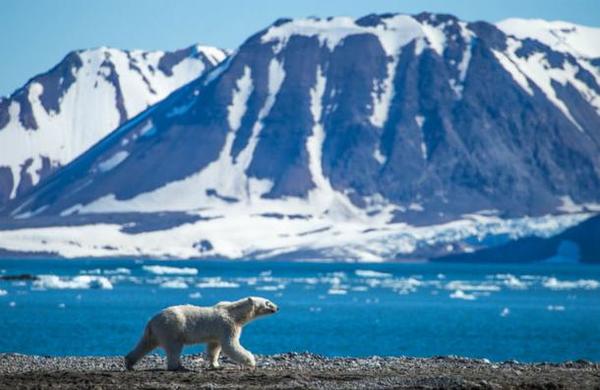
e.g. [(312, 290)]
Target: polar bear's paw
[(128, 364), (181, 369), (249, 364)]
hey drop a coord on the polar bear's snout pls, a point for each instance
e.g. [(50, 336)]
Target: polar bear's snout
[(273, 308), (265, 306)]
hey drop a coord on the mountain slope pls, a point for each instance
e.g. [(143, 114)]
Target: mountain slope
[(60, 114), (339, 138)]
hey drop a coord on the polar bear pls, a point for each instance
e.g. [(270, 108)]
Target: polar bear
[(219, 326)]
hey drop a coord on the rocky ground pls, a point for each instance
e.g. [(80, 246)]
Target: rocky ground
[(295, 370)]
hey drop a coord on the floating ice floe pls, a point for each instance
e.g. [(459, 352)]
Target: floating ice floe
[(336, 291), (117, 271), (404, 285), (365, 273), (466, 286), (3, 292), (271, 288), (505, 312), (555, 308), (585, 284), (12, 304), (512, 282), (76, 282), (216, 283), (98, 271), (166, 270), (195, 295), (459, 294), (174, 284), (95, 271)]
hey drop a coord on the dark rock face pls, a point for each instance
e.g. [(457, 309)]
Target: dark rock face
[(26, 182), (351, 139), (6, 184), (113, 78), (281, 154), (171, 59), (456, 140), (203, 246), (26, 116), (4, 114), (134, 66), (58, 80)]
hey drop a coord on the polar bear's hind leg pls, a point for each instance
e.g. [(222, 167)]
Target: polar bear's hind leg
[(173, 351), (146, 344)]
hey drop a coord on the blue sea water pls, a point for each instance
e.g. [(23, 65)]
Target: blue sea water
[(540, 312)]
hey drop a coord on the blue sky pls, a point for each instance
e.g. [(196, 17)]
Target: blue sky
[(36, 34)]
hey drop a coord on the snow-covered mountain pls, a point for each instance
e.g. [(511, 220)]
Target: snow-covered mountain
[(58, 115), (384, 137)]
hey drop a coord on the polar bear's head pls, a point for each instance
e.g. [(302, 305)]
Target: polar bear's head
[(262, 306), (247, 309)]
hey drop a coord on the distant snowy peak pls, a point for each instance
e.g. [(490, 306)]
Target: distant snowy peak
[(577, 40), (58, 115), (392, 30), (395, 30)]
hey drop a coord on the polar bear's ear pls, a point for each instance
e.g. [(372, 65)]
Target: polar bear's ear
[(250, 300)]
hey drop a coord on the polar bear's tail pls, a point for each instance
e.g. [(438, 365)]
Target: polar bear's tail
[(146, 344)]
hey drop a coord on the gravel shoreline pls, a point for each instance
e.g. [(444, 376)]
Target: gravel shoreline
[(295, 370)]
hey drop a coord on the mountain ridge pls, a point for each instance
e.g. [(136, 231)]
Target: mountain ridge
[(347, 138)]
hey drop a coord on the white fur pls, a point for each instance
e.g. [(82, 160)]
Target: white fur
[(219, 326)]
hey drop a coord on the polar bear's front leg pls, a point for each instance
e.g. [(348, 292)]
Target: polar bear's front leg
[(213, 350), (232, 348)]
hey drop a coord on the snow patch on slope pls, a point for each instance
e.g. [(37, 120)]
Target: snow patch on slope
[(577, 40), (113, 161), (537, 69), (393, 32), (463, 65), (420, 119), (237, 109)]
